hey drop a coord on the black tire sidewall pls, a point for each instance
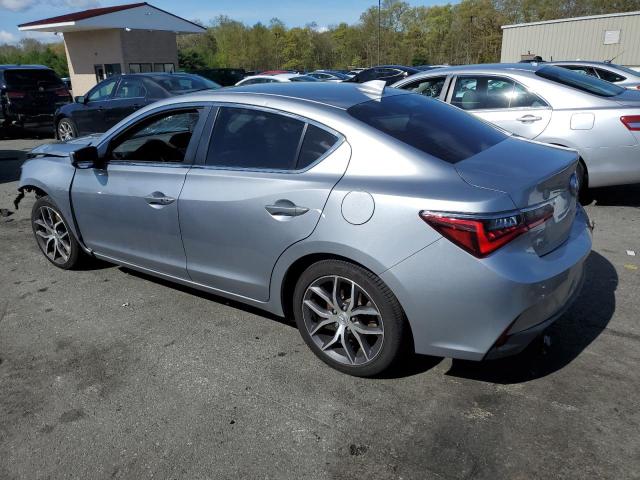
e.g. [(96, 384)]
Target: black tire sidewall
[(388, 305), (76, 252)]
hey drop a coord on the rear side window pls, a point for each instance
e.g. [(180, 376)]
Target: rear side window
[(258, 140), (609, 76), (315, 144), (428, 125), (585, 83), (254, 139), (31, 79)]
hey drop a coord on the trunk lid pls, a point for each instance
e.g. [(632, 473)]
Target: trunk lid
[(534, 176)]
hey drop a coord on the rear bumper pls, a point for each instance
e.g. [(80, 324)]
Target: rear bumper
[(28, 121), (459, 306)]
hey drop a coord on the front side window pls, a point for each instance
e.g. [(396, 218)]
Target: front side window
[(585, 83), (259, 140), (492, 93), (102, 91), (162, 138), (428, 125), (429, 87), (131, 88)]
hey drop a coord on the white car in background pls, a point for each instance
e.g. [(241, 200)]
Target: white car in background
[(552, 105), (279, 78)]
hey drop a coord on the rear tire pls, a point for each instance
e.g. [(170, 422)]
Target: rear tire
[(349, 318), (585, 196), (66, 129), (53, 236)]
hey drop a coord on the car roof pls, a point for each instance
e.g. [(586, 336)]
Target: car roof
[(328, 94), (23, 67), (526, 68)]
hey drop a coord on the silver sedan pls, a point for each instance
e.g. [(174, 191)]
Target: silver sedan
[(362, 212), (549, 104)]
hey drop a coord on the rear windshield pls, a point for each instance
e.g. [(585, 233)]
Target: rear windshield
[(628, 70), (586, 83), (185, 83), (31, 79), (429, 125)]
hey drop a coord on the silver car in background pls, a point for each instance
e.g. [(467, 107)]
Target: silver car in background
[(610, 72), (382, 221), (552, 105)]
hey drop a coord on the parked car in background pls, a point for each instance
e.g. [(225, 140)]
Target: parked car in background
[(116, 97), (276, 72), (549, 104), (224, 77), (67, 83), (278, 78), (354, 72), (328, 75), (389, 73), (425, 68), (30, 95), (366, 214), (623, 76)]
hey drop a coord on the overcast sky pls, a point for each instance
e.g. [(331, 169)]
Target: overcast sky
[(292, 12)]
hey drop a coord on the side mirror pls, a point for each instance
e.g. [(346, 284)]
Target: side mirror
[(80, 99), (87, 157)]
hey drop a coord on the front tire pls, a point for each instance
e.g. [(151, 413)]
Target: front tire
[(349, 318), (66, 129), (53, 236)]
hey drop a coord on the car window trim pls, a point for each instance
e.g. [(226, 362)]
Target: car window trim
[(208, 135), (454, 79), (190, 153)]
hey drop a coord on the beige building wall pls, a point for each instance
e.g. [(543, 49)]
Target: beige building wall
[(86, 49), (575, 39)]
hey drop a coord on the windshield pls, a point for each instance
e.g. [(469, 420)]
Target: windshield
[(303, 78), (586, 83), (429, 125), (185, 83), (28, 79)]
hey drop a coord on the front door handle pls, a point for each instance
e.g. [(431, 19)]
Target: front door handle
[(529, 119), (158, 198), (285, 208)]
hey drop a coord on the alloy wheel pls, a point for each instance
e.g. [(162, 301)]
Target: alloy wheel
[(52, 235), (65, 130), (343, 320)]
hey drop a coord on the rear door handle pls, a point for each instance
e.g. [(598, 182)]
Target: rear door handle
[(285, 208), (158, 198), (529, 119)]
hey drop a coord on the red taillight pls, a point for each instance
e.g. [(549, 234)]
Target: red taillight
[(632, 122), (12, 94), (483, 236)]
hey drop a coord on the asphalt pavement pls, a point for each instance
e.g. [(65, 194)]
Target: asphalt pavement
[(107, 373)]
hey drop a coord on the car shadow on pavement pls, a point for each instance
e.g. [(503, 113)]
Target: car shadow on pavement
[(10, 163), (209, 296), (569, 336), (622, 196)]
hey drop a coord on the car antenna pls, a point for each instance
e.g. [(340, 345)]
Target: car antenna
[(373, 87), (611, 61)]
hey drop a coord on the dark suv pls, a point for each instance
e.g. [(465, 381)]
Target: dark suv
[(29, 96)]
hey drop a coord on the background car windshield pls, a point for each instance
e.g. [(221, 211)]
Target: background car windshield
[(586, 83), (185, 83), (429, 125), (31, 78)]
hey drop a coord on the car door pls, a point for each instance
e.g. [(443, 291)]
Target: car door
[(502, 101), (260, 186), (129, 97), (89, 118), (128, 211)]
